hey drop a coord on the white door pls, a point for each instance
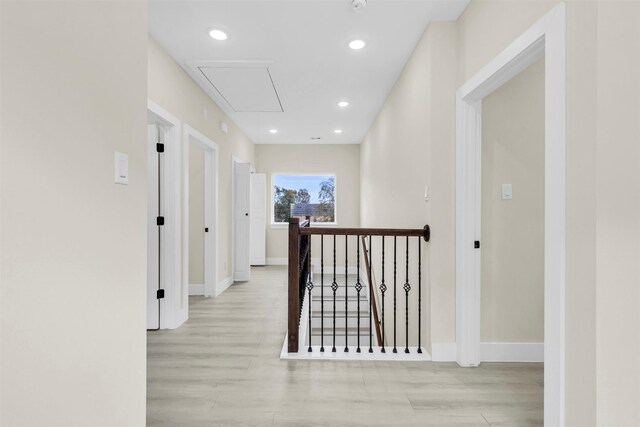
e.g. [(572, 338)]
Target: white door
[(241, 208), (258, 218)]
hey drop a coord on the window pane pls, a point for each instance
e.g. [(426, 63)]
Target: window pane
[(304, 195)]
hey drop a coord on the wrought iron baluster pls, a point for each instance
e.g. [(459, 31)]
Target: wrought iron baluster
[(358, 289), (383, 289), (406, 288), (395, 302), (370, 294), (322, 293), (346, 293), (334, 288), (419, 295), (310, 288)]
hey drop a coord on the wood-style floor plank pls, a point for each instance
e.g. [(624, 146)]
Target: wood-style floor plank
[(222, 368)]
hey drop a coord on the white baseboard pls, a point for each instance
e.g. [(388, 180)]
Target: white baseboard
[(511, 352), (277, 261), (443, 351), (493, 352), (196, 289), (223, 285), (352, 354)]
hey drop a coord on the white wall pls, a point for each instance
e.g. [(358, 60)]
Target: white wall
[(73, 242), (512, 251), (618, 214), (341, 160), (170, 87), (396, 165), (602, 343), (196, 214)]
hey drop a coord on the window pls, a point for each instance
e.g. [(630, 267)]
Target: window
[(304, 195)]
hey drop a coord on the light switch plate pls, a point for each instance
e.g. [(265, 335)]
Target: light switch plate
[(121, 162), (507, 192)]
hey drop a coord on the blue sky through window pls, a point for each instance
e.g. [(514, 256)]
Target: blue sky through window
[(296, 182)]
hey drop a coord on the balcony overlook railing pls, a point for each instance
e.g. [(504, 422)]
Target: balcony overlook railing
[(341, 306)]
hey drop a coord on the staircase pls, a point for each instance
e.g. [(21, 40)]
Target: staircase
[(346, 322)]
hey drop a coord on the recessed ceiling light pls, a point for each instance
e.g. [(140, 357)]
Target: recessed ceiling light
[(356, 44), (343, 104), (218, 34), (273, 130), (337, 131)]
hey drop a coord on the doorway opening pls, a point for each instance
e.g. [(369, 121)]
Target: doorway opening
[(545, 39), (512, 220), (200, 239)]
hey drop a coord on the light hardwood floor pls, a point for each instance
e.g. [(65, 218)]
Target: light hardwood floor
[(222, 368)]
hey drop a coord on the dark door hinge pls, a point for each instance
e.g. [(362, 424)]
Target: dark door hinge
[(160, 293), (160, 221), (476, 244), (160, 147)]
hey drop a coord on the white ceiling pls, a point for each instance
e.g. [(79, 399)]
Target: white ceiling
[(287, 63)]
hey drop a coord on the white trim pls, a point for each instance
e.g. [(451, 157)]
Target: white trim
[(341, 355), (547, 35), (443, 351), (223, 285), (174, 308), (212, 172), (511, 352), (196, 289)]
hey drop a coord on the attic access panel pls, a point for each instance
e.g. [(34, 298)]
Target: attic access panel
[(245, 89)]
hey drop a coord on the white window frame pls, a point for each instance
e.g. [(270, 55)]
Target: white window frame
[(274, 224)]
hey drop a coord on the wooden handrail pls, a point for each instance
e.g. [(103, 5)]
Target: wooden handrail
[(372, 295), (398, 232)]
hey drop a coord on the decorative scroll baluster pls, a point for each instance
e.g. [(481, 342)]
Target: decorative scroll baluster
[(395, 302), (383, 289), (406, 288), (346, 294), (301, 285), (334, 288), (310, 288), (358, 289), (322, 292), (419, 295), (370, 295)]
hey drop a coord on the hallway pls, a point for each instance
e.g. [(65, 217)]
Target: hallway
[(222, 368)]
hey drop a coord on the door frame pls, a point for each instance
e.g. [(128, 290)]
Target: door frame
[(174, 307), (211, 176), (547, 39)]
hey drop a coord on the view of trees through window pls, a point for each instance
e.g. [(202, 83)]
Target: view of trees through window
[(304, 195)]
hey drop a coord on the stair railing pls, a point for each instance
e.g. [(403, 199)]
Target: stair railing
[(301, 283)]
